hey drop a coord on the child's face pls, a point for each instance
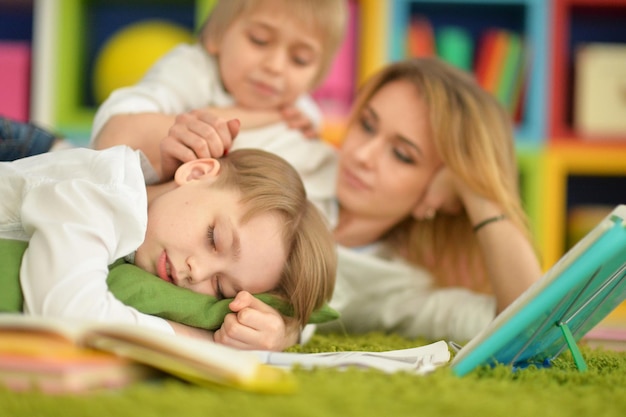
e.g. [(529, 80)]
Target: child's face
[(195, 239), (267, 59)]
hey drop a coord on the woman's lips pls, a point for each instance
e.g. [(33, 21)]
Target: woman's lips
[(164, 267), (353, 181)]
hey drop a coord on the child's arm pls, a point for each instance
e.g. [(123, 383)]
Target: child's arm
[(78, 227), (252, 119), (256, 325)]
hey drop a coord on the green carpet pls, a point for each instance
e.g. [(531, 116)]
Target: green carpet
[(557, 391)]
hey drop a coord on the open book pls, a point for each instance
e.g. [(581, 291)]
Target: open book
[(582, 288), (59, 355), (418, 360), (66, 356)]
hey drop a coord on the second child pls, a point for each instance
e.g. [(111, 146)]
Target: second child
[(256, 60)]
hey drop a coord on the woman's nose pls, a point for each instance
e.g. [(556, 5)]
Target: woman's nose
[(368, 151)]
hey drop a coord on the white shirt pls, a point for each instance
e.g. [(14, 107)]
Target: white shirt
[(377, 292), (80, 210)]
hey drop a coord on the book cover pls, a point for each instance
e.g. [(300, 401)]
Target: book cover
[(44, 361), (571, 298), (198, 361)]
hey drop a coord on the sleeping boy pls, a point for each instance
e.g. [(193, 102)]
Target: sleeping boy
[(224, 228)]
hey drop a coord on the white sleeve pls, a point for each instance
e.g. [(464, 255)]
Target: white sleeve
[(77, 229), (443, 313), (182, 80), (372, 293)]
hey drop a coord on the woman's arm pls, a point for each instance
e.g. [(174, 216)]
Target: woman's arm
[(510, 259)]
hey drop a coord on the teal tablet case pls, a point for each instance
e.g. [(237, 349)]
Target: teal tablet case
[(582, 288)]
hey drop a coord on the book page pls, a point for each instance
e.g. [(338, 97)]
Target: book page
[(418, 360)]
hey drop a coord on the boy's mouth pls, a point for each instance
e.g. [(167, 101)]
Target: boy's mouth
[(164, 268)]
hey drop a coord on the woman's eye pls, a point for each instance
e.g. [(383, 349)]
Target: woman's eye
[(211, 236), (402, 157), (367, 125)]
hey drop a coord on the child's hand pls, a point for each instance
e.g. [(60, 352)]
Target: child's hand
[(255, 325), (197, 134), (296, 119)]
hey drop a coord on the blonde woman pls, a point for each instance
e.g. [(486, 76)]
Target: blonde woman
[(432, 236)]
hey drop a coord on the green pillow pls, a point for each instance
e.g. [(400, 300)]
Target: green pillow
[(146, 292)]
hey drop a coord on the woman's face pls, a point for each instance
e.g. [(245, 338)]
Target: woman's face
[(388, 157)]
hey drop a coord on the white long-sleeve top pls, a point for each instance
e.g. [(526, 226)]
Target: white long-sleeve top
[(80, 210), (377, 292)]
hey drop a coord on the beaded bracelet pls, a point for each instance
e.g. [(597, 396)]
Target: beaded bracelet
[(487, 221)]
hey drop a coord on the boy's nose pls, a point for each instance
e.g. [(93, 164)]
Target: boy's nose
[(276, 59), (199, 269)]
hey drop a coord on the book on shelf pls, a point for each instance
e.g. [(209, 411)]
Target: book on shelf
[(56, 355), (420, 38), (564, 305), (498, 58)]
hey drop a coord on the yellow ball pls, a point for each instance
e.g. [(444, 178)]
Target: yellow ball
[(130, 52)]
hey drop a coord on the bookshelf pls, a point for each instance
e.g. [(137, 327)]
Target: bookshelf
[(576, 23), (585, 172)]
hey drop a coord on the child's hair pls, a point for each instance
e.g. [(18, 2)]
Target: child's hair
[(327, 17), (473, 134), (269, 183)]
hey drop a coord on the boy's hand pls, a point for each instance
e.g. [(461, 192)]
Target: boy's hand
[(255, 325), (197, 134), (296, 119)]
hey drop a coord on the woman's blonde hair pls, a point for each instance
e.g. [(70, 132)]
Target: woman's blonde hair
[(473, 134), (329, 18), (268, 183)]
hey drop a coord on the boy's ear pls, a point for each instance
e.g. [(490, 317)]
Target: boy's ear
[(197, 169)]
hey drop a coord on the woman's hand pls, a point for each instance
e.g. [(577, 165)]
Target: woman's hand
[(442, 195), (256, 325), (196, 134)]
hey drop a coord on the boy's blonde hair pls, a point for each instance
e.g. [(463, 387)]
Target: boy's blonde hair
[(327, 17), (473, 134), (268, 183)]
